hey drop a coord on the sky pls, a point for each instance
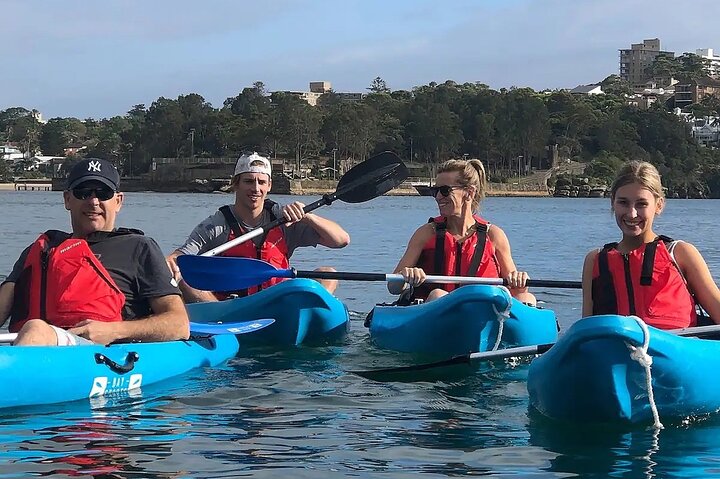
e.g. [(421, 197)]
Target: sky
[(96, 59)]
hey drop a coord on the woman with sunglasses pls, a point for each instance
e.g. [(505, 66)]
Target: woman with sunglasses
[(457, 242)]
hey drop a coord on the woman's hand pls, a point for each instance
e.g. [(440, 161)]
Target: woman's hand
[(413, 276), (517, 280)]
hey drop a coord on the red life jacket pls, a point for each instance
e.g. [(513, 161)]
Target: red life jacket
[(444, 255), (63, 283), (272, 248), (646, 283)]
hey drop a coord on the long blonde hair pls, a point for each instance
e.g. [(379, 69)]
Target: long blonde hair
[(641, 173), (471, 173)]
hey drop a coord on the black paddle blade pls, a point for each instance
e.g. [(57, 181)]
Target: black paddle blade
[(372, 178), (424, 190), (454, 368)]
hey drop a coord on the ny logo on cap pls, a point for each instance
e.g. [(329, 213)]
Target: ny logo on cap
[(94, 166)]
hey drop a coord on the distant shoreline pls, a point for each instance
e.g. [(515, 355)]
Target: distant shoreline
[(23, 186)]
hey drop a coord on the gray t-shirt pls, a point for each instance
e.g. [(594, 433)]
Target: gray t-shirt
[(214, 231)]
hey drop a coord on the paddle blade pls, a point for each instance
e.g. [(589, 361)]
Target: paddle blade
[(372, 178), (222, 273), (424, 190), (243, 327)]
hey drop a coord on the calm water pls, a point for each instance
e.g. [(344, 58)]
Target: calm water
[(298, 412)]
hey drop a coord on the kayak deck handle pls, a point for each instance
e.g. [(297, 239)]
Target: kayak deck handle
[(130, 361)]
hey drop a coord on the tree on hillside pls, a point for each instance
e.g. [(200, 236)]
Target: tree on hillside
[(297, 126), (378, 85), (59, 133), (254, 106), (614, 85)]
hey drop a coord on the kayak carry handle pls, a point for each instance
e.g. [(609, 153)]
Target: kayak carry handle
[(130, 361)]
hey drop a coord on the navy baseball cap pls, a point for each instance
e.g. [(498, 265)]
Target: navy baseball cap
[(94, 169)]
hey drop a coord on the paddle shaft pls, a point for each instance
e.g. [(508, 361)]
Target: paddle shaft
[(697, 331), (325, 200), (341, 275)]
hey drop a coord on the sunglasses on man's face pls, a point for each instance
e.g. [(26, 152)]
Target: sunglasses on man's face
[(444, 190), (102, 193)]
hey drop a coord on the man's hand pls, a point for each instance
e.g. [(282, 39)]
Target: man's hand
[(293, 212), (99, 332)]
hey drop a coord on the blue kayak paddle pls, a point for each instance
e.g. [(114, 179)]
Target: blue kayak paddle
[(221, 273), (242, 327)]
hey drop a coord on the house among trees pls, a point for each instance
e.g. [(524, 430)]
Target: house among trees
[(10, 154), (592, 89), (695, 91), (320, 88), (707, 131)]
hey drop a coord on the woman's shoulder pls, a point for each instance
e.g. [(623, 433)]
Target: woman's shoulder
[(424, 232), (680, 249), (592, 255), (495, 232)]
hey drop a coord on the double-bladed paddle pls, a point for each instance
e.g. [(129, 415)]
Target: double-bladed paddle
[(396, 373), (242, 327), (230, 274), (367, 180)]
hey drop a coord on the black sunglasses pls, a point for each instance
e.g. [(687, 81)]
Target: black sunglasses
[(103, 193), (444, 190)]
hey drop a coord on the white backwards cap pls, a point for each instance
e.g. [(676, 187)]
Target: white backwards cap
[(253, 163)]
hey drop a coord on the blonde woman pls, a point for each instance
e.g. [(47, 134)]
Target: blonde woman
[(646, 275), (458, 242)]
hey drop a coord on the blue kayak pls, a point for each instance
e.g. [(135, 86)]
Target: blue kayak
[(464, 321), (588, 376), (34, 375), (304, 312)]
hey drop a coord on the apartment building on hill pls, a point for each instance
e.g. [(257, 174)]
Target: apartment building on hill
[(635, 61)]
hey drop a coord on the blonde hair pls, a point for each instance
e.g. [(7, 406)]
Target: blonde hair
[(641, 173), (471, 173)]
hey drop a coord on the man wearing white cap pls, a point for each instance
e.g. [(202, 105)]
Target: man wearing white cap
[(252, 181)]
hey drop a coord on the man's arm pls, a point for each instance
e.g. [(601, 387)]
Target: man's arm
[(189, 294), (331, 234), (168, 322), (328, 232), (7, 294)]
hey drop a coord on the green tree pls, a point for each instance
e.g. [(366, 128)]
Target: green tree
[(378, 85), (59, 133)]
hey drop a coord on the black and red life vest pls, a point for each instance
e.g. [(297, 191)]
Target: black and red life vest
[(646, 283), (63, 283), (271, 248), (445, 255)]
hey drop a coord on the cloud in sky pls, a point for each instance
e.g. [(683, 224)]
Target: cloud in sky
[(97, 59)]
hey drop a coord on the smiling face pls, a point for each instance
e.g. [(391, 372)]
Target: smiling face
[(452, 205), (251, 189), (92, 214), (635, 208)]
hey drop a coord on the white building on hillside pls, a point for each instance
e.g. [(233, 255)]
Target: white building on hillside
[(43, 163), (587, 90), (708, 54), (319, 88), (11, 154), (706, 131)]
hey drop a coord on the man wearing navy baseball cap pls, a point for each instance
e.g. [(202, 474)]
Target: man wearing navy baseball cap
[(99, 283)]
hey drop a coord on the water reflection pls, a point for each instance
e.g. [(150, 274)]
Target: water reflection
[(687, 449)]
